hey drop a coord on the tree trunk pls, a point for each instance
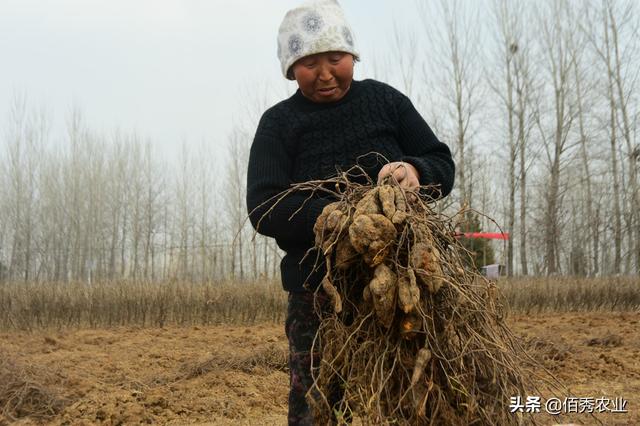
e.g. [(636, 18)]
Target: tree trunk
[(633, 152), (584, 154), (617, 220)]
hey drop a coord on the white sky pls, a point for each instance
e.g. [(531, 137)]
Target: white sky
[(172, 70)]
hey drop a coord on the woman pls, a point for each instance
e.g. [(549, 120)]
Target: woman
[(331, 123)]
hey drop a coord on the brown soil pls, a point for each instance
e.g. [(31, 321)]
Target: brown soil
[(234, 375)]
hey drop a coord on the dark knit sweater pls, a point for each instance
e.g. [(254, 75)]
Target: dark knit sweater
[(298, 140)]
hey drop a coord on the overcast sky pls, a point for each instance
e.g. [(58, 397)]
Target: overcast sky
[(171, 70)]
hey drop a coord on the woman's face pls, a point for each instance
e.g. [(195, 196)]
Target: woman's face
[(324, 77)]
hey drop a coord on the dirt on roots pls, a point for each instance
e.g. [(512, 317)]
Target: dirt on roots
[(412, 335)]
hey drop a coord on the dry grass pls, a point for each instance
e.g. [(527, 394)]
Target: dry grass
[(266, 359), (32, 306), (571, 294), (24, 391)]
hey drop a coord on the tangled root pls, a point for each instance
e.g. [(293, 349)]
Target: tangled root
[(414, 336)]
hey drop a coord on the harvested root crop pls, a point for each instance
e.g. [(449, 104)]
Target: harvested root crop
[(372, 235), (414, 336)]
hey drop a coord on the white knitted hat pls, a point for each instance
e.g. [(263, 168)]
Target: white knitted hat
[(316, 26)]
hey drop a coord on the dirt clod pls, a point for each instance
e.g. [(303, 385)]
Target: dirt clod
[(612, 340)]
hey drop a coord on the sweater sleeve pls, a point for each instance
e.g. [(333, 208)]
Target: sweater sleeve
[(431, 157), (269, 174)]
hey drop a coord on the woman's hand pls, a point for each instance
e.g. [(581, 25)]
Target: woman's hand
[(404, 173)]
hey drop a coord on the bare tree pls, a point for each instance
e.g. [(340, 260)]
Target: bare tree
[(617, 20), (455, 60), (602, 47), (578, 47), (235, 200), (184, 214), (508, 40), (153, 184), (513, 85), (16, 187), (555, 27), (404, 54), (524, 87)]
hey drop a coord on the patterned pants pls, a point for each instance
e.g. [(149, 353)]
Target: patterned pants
[(301, 327)]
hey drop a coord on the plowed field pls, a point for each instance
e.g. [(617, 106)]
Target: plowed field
[(237, 375)]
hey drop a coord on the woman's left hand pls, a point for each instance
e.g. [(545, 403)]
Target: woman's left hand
[(404, 173)]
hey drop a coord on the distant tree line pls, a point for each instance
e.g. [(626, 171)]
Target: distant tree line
[(538, 101), (105, 207)]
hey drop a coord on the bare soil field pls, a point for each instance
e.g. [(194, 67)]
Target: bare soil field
[(234, 375)]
